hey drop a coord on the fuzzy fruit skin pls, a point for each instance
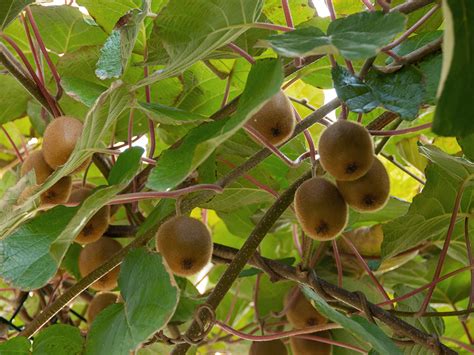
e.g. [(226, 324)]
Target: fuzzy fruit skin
[(97, 225), (301, 346), (275, 120), (56, 194), (272, 347), (367, 240), (370, 192), (59, 140), (99, 303), (320, 209), (301, 313), (186, 245), (94, 255), (346, 150)]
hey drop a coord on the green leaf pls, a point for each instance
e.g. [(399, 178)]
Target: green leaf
[(429, 214), (126, 166), (414, 42), (393, 209), (459, 168), (467, 144), (116, 52), (191, 35), (170, 115), (13, 100), (15, 346), (82, 90), (356, 36), (234, 198), (453, 117), (58, 339), (401, 92), (263, 82), (431, 325), (64, 29), (356, 325), (150, 298), (10, 9)]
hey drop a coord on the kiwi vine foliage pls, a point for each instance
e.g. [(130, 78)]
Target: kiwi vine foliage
[(123, 67)]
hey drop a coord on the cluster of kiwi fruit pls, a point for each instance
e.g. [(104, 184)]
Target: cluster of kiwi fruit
[(361, 181), (59, 140), (275, 121), (300, 313)]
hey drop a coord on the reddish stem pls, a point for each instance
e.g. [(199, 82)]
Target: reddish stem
[(227, 89), (309, 140), (272, 27), (462, 320), (359, 117), (332, 12), (33, 49), (241, 52), (17, 152), (394, 55), (337, 257), (204, 214), (255, 303), (413, 28), (296, 239), (459, 343), (275, 336), (471, 260), (397, 132), (151, 125), (138, 196), (424, 287), (384, 5), (51, 66), (287, 12), (366, 268), (31, 71), (444, 251)]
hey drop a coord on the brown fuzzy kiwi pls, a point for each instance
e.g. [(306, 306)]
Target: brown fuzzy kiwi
[(346, 150), (56, 194), (97, 225), (300, 312), (185, 243), (301, 346), (320, 209), (94, 255), (370, 192), (272, 347), (275, 120), (367, 241), (99, 303), (59, 140)]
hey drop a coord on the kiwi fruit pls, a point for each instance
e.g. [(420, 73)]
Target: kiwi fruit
[(300, 312), (186, 245), (300, 346), (346, 150), (94, 255), (370, 192), (99, 303), (320, 209), (60, 139), (272, 347), (367, 241), (275, 120), (97, 225), (56, 194)]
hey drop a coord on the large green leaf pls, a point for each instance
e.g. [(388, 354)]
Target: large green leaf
[(263, 82), (13, 99), (16, 346), (429, 214), (360, 327), (64, 29), (58, 339), (357, 36), (116, 52), (453, 116), (189, 36), (401, 92), (9, 9), (150, 297)]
